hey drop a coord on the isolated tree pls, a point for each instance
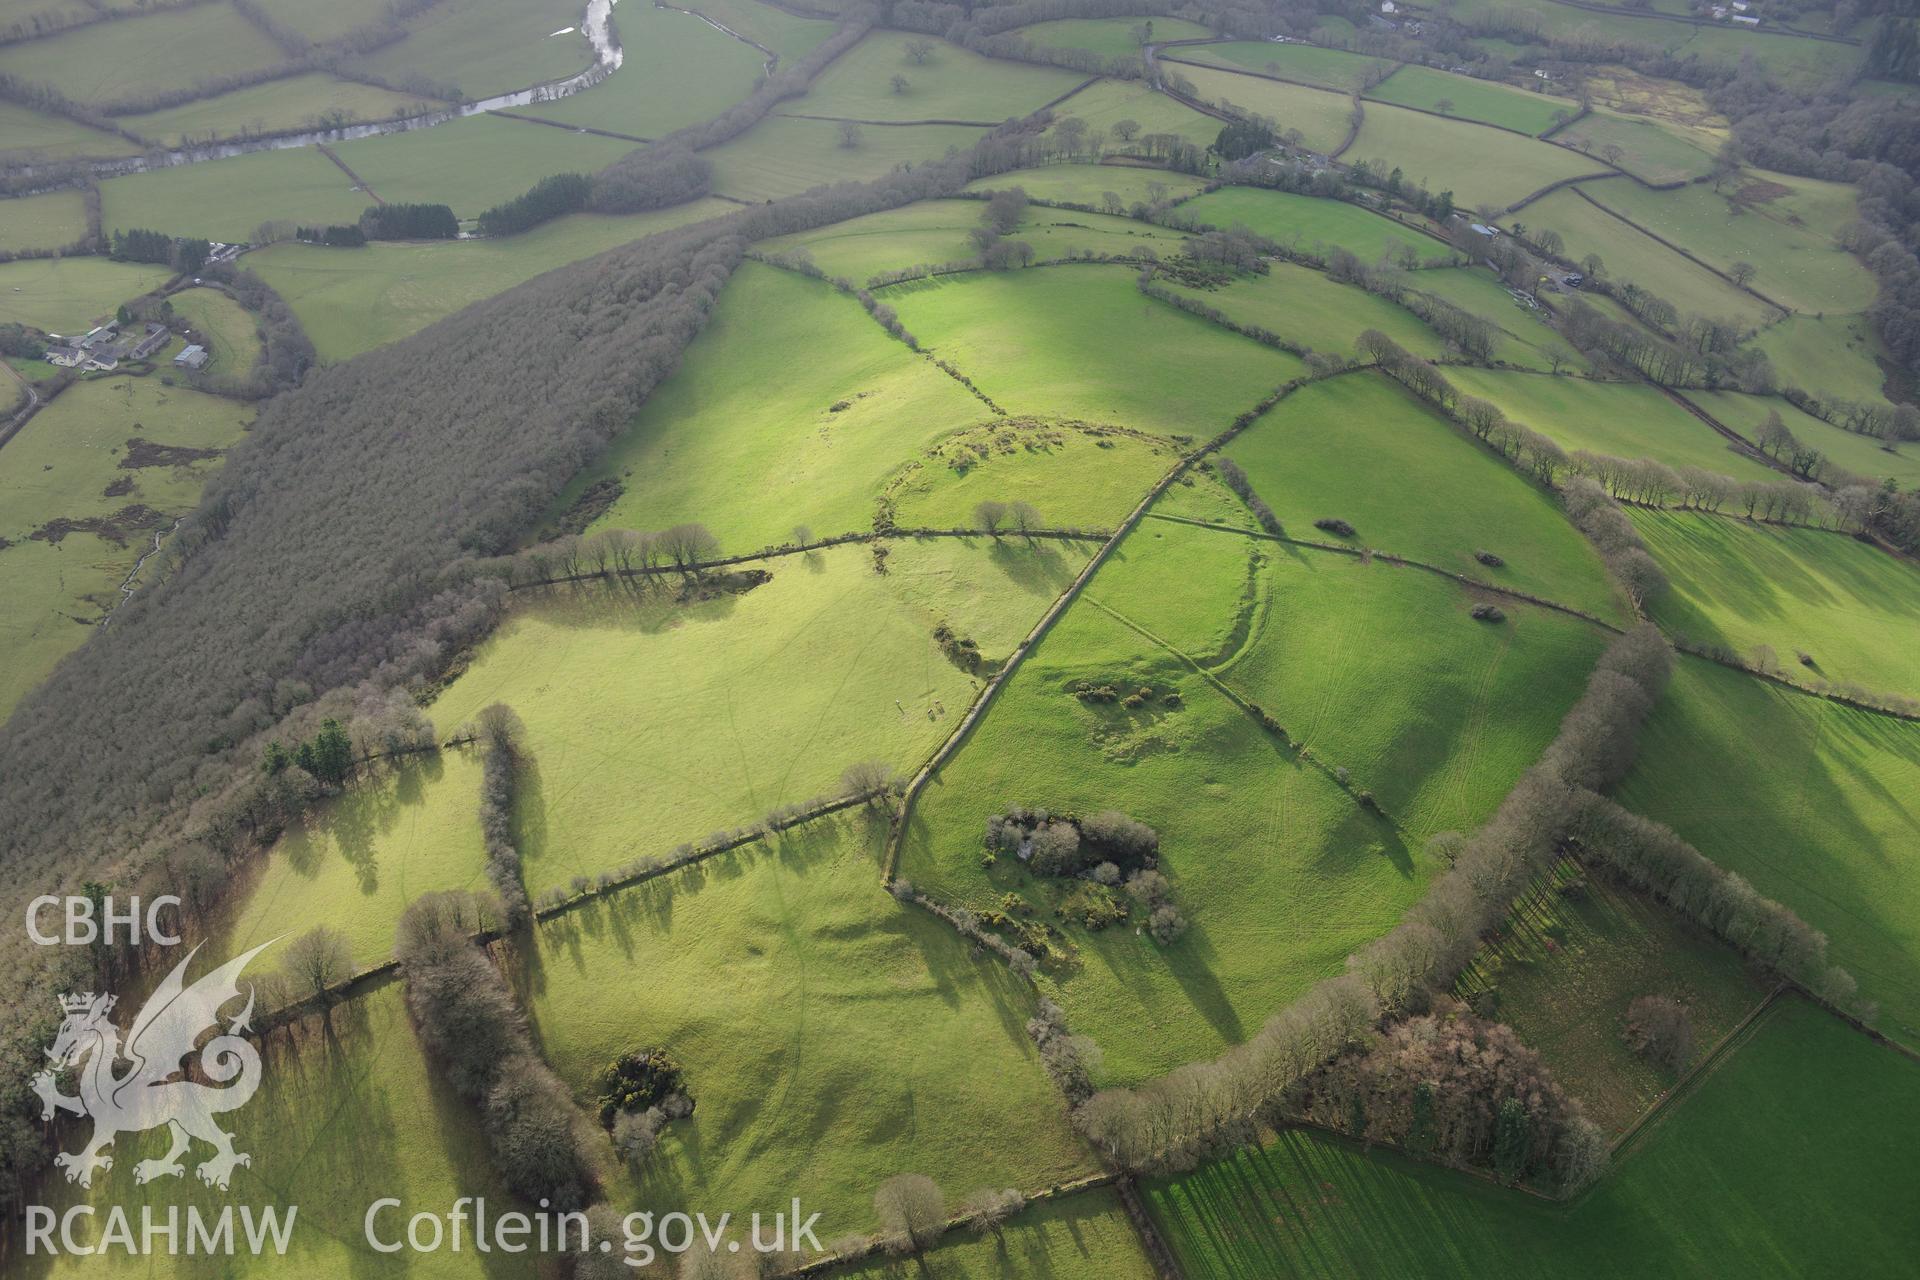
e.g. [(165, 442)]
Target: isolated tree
[(802, 535), (990, 514), (1549, 242), (686, 545), (1126, 130), (1612, 152), (1073, 132), (899, 83), (1142, 32), (986, 1209), (849, 134), (1025, 516), (871, 778), (912, 1212), (316, 962), (919, 49), (1660, 1030), (1743, 273), (1444, 106)]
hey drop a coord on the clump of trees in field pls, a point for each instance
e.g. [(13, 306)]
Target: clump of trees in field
[(912, 1211), (1005, 209), (1660, 1029), (469, 1022), (1236, 479), (181, 253), (334, 235), (1452, 1087), (640, 1095), (409, 222), (502, 742), (548, 198)]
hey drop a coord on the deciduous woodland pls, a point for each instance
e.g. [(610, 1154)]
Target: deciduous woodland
[(1108, 639)]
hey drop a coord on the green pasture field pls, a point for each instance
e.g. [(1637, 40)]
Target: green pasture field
[(935, 232), (336, 1125), (1378, 669), (24, 131), (1862, 455), (951, 85), (352, 300), (1477, 164), (158, 52), (1321, 117), (23, 12), (1088, 183), (1310, 64), (52, 220), (745, 438), (1109, 37), (1279, 872), (783, 157), (605, 788), (1852, 607), (1787, 1159), (486, 46), (1526, 340), (229, 199), (291, 103), (1076, 478), (1360, 449), (1820, 208), (56, 468), (1085, 1234), (71, 295), (1313, 224), (1624, 419), (474, 163), (1107, 102), (1567, 965), (1812, 819), (830, 1037), (1083, 342), (1652, 150), (325, 22), (1487, 101), (1832, 357), (1800, 266), (1633, 256), (792, 37), (677, 70), (221, 325), (1310, 309)]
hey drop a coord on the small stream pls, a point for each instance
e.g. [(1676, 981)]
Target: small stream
[(596, 25), (128, 587)]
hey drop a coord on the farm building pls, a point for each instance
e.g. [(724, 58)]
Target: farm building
[(194, 357)]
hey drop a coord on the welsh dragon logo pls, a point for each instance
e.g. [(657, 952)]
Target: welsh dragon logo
[(155, 1090)]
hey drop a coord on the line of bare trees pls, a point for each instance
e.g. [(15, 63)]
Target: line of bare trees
[(502, 740), (472, 1026)]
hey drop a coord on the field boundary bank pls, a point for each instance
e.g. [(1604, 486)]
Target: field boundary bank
[(573, 128), (1552, 187), (837, 540), (341, 165), (772, 58), (886, 124), (1151, 1241), (1361, 553), (1708, 1063), (1784, 683), (1659, 239), (904, 815)]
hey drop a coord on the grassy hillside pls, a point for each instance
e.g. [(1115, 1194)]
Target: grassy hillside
[(1832, 357), (1850, 607), (1806, 1115), (1321, 117), (951, 84), (1426, 491), (1088, 183), (1310, 309), (1811, 820), (1477, 164), (1309, 64), (484, 47), (1652, 150), (1109, 37), (290, 103), (677, 70), (1313, 224), (1106, 103), (475, 163), (1867, 456), (1083, 342), (71, 295), (164, 51), (44, 222), (1489, 102), (221, 325), (783, 157), (1086, 1234), (746, 438), (228, 199)]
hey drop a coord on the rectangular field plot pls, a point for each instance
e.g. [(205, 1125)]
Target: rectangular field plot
[(1315, 225), (353, 300), (1322, 117), (71, 295), (484, 47), (1083, 342), (1799, 263), (133, 59), (1784, 1159), (1829, 357), (292, 103), (788, 985), (790, 36), (27, 133), (1477, 164), (951, 86), (1107, 103), (1109, 37), (1863, 455), (1824, 818), (1483, 100), (1426, 490), (1309, 64), (781, 156), (1770, 593), (228, 199), (475, 163), (1651, 150), (1086, 1234), (1623, 419), (1525, 341), (49, 221), (1310, 309), (1088, 183)]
